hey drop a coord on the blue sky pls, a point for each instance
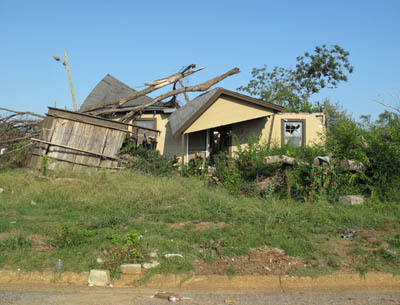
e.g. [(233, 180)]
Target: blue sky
[(138, 41)]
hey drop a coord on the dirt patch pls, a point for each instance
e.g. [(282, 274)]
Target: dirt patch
[(201, 226), (8, 212), (178, 225), (6, 235), (368, 234), (27, 217), (76, 180), (39, 243), (260, 261)]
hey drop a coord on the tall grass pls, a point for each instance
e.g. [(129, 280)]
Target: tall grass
[(96, 207)]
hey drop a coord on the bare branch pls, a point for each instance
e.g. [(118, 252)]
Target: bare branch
[(18, 139), (386, 105), (23, 113)]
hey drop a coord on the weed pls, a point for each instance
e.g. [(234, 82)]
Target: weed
[(128, 249), (70, 237), (230, 272), (44, 164), (14, 243)]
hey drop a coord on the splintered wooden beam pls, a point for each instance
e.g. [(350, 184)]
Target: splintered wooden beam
[(184, 93), (154, 85), (200, 87)]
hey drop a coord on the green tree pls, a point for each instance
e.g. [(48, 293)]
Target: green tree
[(334, 113), (292, 88)]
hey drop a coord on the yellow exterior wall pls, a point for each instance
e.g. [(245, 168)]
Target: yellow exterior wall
[(225, 111), (235, 114), (245, 130), (314, 129), (167, 144)]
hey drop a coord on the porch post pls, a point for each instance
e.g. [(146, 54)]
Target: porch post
[(183, 148), (207, 143), (187, 148)]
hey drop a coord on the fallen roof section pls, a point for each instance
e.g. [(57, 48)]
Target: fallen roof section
[(109, 89)]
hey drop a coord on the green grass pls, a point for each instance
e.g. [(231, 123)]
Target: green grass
[(80, 214)]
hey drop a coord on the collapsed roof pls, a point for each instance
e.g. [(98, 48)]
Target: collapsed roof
[(110, 88)]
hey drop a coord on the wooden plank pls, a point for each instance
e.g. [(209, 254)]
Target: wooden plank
[(85, 165), (113, 146), (54, 151), (96, 144), (65, 153), (84, 138), (76, 149), (103, 145), (73, 138), (93, 120)]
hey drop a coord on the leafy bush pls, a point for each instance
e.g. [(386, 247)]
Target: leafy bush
[(383, 138), (128, 249), (228, 173), (346, 141), (197, 167), (149, 161), (69, 237)]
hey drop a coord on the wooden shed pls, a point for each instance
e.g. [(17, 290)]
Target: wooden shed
[(80, 141)]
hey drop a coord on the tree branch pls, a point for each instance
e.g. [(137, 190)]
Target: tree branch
[(23, 113), (200, 87), (154, 85), (386, 105)]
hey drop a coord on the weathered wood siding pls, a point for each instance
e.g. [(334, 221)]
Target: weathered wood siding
[(80, 141)]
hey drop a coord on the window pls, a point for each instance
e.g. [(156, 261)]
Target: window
[(293, 132), (149, 123)]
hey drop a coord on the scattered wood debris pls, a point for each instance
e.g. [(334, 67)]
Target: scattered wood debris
[(92, 137)]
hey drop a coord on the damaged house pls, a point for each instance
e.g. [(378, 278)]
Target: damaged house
[(203, 126)]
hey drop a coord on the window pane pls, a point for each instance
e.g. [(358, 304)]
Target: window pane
[(293, 133), (145, 123)]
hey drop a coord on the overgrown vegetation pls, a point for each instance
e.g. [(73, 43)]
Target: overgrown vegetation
[(122, 216), (375, 144)]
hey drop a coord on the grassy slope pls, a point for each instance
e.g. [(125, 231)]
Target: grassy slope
[(104, 204)]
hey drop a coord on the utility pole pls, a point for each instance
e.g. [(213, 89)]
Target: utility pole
[(65, 63), (70, 80)]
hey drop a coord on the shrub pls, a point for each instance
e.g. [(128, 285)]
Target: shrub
[(128, 249), (70, 237), (197, 167), (149, 161)]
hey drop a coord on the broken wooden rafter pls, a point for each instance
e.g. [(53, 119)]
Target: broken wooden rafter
[(154, 85), (184, 93), (200, 87)]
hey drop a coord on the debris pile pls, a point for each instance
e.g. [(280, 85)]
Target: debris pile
[(93, 136)]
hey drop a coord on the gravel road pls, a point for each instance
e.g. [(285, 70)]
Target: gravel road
[(46, 295)]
